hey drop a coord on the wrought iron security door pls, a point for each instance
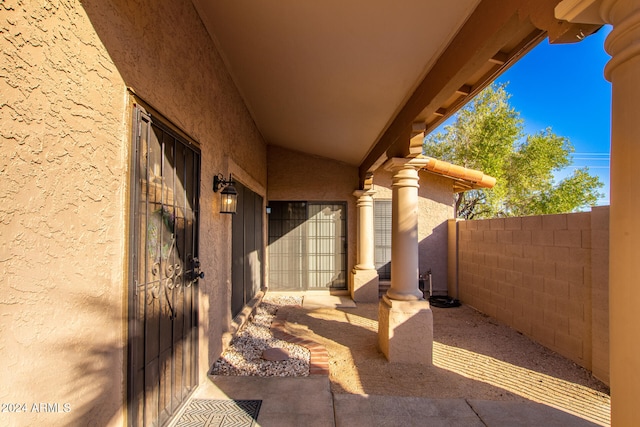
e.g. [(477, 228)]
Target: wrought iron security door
[(165, 272)]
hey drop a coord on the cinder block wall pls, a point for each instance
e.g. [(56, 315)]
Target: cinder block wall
[(545, 276), (600, 292)]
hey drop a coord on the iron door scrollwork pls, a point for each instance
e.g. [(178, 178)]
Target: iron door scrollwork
[(167, 267)]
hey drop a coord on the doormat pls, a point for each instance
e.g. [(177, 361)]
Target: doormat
[(220, 413)]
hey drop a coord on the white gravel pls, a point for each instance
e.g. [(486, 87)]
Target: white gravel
[(244, 356)]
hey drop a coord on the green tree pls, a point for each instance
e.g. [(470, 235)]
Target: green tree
[(488, 135)]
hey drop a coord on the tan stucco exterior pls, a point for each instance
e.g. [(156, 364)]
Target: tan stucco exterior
[(66, 151), (65, 90), (67, 132)]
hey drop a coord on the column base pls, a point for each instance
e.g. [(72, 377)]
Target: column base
[(405, 331), (364, 285)]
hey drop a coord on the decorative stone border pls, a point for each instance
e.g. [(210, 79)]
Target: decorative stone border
[(319, 357)]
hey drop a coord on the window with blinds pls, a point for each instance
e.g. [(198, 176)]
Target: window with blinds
[(382, 236), (307, 246)]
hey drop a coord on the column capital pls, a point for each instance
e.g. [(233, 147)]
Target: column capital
[(364, 193), (397, 163), (405, 171), (622, 41), (366, 249)]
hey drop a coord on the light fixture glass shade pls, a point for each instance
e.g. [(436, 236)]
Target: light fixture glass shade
[(228, 200)]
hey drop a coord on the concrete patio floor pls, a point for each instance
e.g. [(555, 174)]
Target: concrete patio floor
[(309, 402), (484, 374)]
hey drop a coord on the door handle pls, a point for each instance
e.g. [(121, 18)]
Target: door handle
[(195, 273)]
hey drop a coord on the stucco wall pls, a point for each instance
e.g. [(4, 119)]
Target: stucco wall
[(295, 176), (164, 53), (62, 204), (65, 132), (546, 276), (435, 207), (178, 71)]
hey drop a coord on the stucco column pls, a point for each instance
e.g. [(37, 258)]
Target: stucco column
[(623, 71), (365, 252), (405, 320), (404, 229), (364, 277)]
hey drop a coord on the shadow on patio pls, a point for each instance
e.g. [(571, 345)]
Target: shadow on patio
[(475, 358)]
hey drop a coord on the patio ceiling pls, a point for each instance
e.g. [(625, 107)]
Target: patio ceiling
[(355, 80)]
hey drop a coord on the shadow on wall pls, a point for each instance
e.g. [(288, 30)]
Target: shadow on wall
[(97, 363), (152, 43), (95, 360), (433, 256), (148, 51), (74, 373)]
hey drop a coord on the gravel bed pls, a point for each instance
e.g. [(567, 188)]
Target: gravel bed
[(244, 355)]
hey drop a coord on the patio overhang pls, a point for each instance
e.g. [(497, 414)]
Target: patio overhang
[(355, 82)]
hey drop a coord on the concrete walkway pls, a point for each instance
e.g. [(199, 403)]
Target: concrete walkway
[(315, 401), (308, 401)]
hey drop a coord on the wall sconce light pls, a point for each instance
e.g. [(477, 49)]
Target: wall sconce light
[(228, 195)]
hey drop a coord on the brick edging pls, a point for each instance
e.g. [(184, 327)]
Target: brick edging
[(319, 357)]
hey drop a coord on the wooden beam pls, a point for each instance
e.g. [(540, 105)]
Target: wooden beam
[(418, 127), (491, 26), (499, 58), (465, 90), (520, 50), (486, 31)]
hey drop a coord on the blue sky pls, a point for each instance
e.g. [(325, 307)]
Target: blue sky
[(563, 87)]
